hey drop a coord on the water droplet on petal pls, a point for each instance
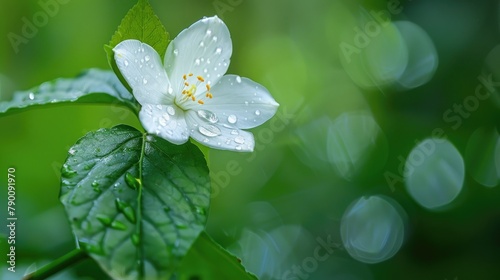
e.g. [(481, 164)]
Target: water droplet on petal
[(159, 107), (205, 140), (246, 103), (208, 116), (234, 132), (144, 81), (197, 61), (218, 51), (238, 79), (170, 90), (232, 119), (147, 58), (209, 32), (176, 52), (72, 151), (209, 130), (239, 140), (125, 63), (257, 112), (202, 44), (31, 96), (171, 110), (238, 148), (214, 39), (162, 121)]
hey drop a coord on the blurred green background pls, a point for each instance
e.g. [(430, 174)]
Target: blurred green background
[(341, 128)]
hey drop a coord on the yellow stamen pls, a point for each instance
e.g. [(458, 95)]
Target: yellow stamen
[(208, 87), (200, 78), (184, 77), (190, 74), (201, 102)]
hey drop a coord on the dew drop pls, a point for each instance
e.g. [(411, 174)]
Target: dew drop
[(197, 61), (238, 79), (135, 239), (209, 130), (129, 213), (72, 151), (105, 220), (257, 112), (205, 140), (202, 44), (170, 90), (147, 58), (131, 181), (209, 32), (95, 184), (125, 63), (162, 121), (166, 116), (234, 132), (205, 70), (171, 110), (176, 52), (159, 107), (118, 225), (214, 38), (31, 96), (208, 116), (232, 119), (239, 140), (144, 81), (238, 148), (218, 51), (200, 210), (67, 171)]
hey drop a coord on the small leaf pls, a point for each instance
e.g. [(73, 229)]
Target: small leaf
[(135, 202), (207, 260), (140, 23), (91, 86)]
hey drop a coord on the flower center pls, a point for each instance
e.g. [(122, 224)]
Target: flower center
[(190, 87)]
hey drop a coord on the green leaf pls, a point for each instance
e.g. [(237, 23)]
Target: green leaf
[(208, 260), (136, 202), (140, 23), (91, 86)]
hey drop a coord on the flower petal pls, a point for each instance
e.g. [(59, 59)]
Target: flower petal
[(217, 136), (239, 102), (141, 67), (168, 122), (203, 49)]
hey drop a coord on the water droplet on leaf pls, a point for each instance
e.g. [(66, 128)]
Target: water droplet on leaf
[(31, 96)]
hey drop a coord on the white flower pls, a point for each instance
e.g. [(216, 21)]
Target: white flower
[(188, 94)]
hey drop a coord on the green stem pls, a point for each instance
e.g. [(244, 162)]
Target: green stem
[(57, 265)]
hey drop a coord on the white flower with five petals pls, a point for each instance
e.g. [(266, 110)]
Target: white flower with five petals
[(189, 95)]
